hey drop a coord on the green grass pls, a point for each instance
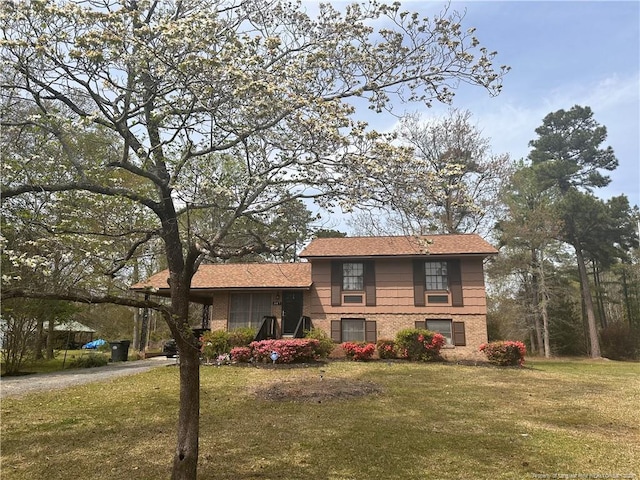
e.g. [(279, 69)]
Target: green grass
[(59, 362), (431, 421)]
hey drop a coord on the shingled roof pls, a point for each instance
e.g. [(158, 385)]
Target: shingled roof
[(468, 244), (239, 276)]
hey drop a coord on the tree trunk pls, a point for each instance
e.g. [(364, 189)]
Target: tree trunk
[(588, 305), (50, 332), (185, 461), (535, 300), (544, 300), (597, 282), (39, 339)]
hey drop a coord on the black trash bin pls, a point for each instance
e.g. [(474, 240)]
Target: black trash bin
[(120, 350)]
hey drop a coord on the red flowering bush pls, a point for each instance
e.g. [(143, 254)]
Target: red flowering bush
[(240, 354), (386, 349), (504, 353), (358, 350), (288, 351), (419, 344)]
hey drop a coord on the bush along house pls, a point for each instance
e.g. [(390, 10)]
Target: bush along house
[(355, 289)]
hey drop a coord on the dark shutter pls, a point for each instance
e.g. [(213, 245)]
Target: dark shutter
[(421, 324), (370, 331), (458, 334), (418, 283), (336, 284), (336, 331), (455, 283), (370, 283)]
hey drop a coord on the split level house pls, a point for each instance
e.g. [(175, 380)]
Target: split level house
[(353, 288)]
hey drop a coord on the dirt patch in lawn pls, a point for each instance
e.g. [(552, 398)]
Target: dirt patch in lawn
[(317, 390)]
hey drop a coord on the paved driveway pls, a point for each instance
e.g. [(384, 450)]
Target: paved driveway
[(24, 384)]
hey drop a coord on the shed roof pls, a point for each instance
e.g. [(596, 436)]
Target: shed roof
[(69, 326), (465, 244)]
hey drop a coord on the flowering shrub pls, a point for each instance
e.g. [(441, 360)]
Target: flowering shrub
[(386, 349), (358, 350), (419, 344), (240, 354), (289, 351), (504, 353)]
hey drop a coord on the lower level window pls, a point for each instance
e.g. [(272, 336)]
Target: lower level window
[(353, 330), (247, 309), (442, 327)]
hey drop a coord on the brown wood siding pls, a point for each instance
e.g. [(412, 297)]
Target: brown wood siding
[(395, 291)]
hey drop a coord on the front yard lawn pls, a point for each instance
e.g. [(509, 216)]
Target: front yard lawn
[(344, 420)]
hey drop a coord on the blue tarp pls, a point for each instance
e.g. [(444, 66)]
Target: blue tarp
[(94, 344)]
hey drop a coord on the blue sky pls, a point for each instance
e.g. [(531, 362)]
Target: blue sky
[(561, 54)]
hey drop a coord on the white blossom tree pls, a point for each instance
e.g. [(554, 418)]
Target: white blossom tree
[(451, 185), (187, 88)]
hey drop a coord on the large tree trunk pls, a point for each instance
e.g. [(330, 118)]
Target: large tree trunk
[(544, 300), (588, 304), (185, 461), (535, 300)]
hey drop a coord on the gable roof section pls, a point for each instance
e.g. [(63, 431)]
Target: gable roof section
[(467, 244), (239, 276)]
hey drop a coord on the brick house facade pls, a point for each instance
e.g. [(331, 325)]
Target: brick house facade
[(356, 288)]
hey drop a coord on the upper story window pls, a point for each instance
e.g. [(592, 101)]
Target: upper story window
[(436, 277), (353, 276)]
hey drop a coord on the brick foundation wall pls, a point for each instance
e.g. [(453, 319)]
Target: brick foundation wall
[(387, 325)]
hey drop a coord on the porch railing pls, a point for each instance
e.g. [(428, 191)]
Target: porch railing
[(268, 328), (304, 324)]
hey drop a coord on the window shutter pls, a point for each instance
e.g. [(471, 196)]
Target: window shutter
[(455, 283), (370, 331), (418, 283), (336, 331), (421, 324), (336, 284), (370, 283), (458, 334)]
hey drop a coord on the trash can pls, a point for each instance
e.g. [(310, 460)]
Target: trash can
[(120, 350)]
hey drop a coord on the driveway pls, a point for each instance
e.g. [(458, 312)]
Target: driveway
[(24, 384)]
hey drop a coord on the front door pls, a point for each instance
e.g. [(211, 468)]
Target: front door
[(291, 311)]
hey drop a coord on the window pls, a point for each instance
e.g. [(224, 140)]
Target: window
[(247, 309), (436, 276), (353, 330), (352, 276), (442, 327)]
